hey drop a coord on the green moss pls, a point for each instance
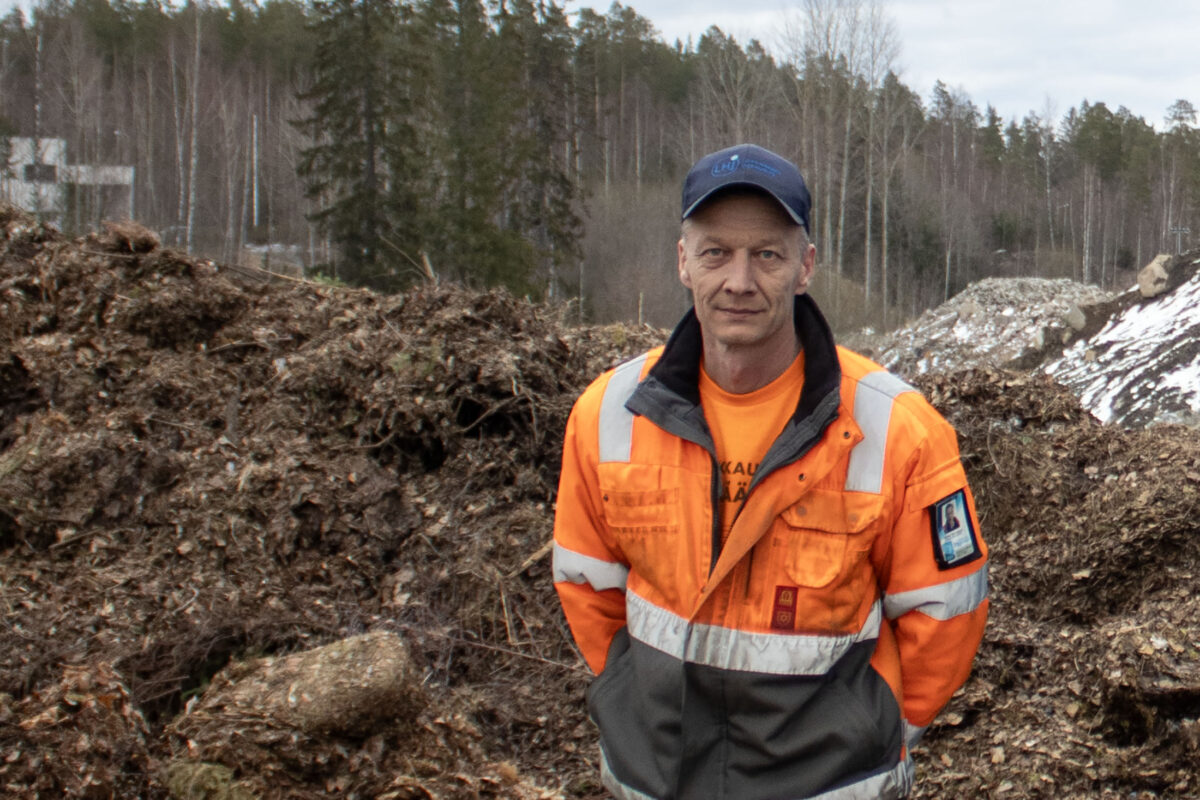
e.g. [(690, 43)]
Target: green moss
[(199, 780)]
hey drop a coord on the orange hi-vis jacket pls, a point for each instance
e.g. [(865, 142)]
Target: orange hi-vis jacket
[(803, 655)]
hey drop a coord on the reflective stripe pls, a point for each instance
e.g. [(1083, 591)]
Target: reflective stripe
[(619, 790), (872, 412), (942, 602), (890, 785), (913, 734), (616, 421), (572, 567), (727, 648)]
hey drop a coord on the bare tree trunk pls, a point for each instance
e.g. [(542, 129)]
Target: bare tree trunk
[(839, 252), (40, 200), (145, 143), (249, 198), (232, 154), (880, 52), (1171, 184), (180, 161), (884, 266), (1049, 202), (1088, 214), (194, 155), (620, 114), (637, 140), (691, 129), (1074, 242), (946, 280), (870, 200)]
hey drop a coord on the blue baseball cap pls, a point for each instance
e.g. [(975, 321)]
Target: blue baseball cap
[(747, 165)]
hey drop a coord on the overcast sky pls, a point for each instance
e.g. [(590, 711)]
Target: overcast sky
[(1017, 55), (1014, 54)]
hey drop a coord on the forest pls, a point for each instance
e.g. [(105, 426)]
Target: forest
[(517, 143)]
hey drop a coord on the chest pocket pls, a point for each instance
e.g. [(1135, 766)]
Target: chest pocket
[(644, 513), (825, 538), (643, 509)]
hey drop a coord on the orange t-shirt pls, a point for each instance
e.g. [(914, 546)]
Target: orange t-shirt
[(743, 427)]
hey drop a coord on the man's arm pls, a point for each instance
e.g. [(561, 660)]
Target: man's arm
[(934, 571), (589, 573)]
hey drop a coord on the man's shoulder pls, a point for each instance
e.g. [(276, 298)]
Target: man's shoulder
[(855, 365), (631, 371), (907, 400), (866, 375)]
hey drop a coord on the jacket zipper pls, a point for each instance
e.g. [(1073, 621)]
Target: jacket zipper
[(715, 509)]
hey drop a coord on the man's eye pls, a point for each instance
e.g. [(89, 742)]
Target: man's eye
[(712, 252), (768, 255)]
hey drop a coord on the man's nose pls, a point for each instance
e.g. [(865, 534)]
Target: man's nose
[(739, 279)]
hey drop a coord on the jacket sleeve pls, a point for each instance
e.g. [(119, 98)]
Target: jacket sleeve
[(934, 571), (589, 571)]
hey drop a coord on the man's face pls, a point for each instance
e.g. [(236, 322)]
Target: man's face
[(744, 260)]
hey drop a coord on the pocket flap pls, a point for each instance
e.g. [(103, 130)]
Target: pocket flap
[(834, 511), (648, 510)]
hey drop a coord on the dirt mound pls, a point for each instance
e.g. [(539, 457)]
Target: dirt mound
[(1086, 685), (195, 467), (207, 481)]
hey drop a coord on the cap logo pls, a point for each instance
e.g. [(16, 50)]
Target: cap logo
[(725, 167), (750, 163), (734, 163)]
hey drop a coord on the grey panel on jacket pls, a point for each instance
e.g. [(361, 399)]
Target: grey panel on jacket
[(684, 731)]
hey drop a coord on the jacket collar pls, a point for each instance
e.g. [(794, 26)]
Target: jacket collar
[(677, 372)]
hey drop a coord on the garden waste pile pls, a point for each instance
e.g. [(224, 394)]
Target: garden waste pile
[(265, 538)]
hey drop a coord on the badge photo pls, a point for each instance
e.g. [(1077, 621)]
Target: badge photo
[(955, 541)]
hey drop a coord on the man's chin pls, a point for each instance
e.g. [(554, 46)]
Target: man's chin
[(738, 336)]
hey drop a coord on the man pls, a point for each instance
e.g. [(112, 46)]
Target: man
[(753, 544)]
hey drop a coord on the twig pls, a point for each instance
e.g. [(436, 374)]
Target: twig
[(79, 537), (429, 273), (495, 649), (425, 270), (995, 463), (369, 445), (490, 412), (533, 559), (395, 330), (508, 627), (185, 426), (258, 272), (185, 606), (126, 256), (235, 346)]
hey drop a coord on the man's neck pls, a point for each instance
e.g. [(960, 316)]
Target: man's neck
[(742, 370)]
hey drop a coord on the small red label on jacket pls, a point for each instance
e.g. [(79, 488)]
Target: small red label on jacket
[(783, 613)]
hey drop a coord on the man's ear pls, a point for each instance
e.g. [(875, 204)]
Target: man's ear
[(808, 265), (684, 277)]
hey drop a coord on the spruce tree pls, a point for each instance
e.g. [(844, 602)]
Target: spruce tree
[(544, 198), (364, 166), (473, 106)]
